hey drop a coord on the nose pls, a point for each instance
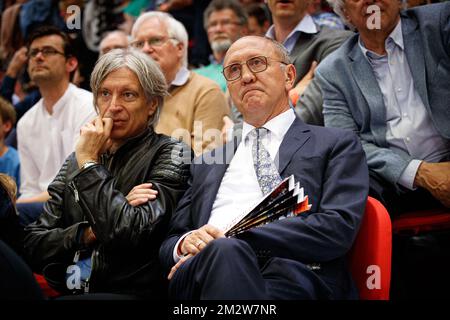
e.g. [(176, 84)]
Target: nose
[(39, 56), (147, 48), (113, 106), (246, 75)]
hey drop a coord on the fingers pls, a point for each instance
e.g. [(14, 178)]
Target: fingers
[(312, 68), (141, 194), (107, 126), (177, 266), (199, 239)]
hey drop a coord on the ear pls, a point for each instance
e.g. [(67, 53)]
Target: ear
[(71, 64), (152, 106), (6, 127), (180, 50), (290, 75)]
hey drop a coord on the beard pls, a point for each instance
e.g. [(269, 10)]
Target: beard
[(221, 45)]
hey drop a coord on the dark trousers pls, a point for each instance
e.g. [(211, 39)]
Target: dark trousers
[(227, 268), (29, 212), (16, 279)]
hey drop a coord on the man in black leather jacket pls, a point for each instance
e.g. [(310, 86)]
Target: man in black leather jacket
[(102, 217)]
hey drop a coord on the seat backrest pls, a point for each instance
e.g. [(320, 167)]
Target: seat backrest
[(370, 256)]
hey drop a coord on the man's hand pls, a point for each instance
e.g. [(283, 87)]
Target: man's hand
[(141, 194), (301, 86), (177, 265), (18, 61), (194, 242), (227, 125), (435, 177), (94, 140), (88, 237)]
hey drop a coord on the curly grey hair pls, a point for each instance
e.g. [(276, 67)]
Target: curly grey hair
[(147, 71)]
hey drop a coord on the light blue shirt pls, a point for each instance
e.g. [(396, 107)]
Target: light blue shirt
[(306, 25), (409, 126)]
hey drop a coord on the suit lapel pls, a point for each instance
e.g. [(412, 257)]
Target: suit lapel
[(368, 84), (416, 59), (294, 139)]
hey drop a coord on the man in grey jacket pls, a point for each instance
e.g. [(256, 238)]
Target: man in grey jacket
[(390, 84)]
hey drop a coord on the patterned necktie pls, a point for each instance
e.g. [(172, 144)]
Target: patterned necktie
[(266, 171)]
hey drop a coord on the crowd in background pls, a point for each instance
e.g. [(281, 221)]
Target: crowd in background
[(44, 105)]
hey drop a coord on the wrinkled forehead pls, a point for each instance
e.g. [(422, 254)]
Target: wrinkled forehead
[(249, 47)]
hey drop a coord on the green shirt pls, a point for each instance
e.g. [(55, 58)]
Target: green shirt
[(213, 71)]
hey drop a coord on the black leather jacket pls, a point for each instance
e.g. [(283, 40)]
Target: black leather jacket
[(125, 257)]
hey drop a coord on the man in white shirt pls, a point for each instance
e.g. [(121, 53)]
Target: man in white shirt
[(300, 257), (48, 131)]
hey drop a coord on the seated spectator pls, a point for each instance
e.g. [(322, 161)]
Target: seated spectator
[(47, 133), (10, 230), (9, 158), (116, 39), (390, 86), (258, 19), (300, 257), (323, 18), (17, 281), (225, 22), (7, 89), (195, 107), (307, 44), (102, 216)]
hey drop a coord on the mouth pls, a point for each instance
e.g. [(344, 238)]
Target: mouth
[(284, 1), (245, 92)]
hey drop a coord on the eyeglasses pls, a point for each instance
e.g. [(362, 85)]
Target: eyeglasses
[(151, 42), (224, 23), (257, 64), (46, 51)]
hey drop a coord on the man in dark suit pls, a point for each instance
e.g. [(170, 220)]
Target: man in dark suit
[(300, 257), (390, 84), (308, 44)]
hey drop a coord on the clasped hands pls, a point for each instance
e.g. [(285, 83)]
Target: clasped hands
[(195, 242)]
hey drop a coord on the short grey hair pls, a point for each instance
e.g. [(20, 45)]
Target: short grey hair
[(281, 50), (338, 8), (218, 5), (175, 29), (146, 69)]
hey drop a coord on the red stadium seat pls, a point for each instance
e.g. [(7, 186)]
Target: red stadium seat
[(46, 289), (417, 222), (370, 257)]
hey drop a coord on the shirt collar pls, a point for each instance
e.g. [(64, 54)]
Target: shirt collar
[(277, 126), (305, 25), (396, 36), (181, 78)]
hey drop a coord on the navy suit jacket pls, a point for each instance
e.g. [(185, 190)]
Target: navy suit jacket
[(331, 167), (353, 99)]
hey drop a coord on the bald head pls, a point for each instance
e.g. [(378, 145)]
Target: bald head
[(259, 76), (113, 40)]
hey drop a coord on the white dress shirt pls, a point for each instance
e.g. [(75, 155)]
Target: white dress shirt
[(46, 140), (239, 189)]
